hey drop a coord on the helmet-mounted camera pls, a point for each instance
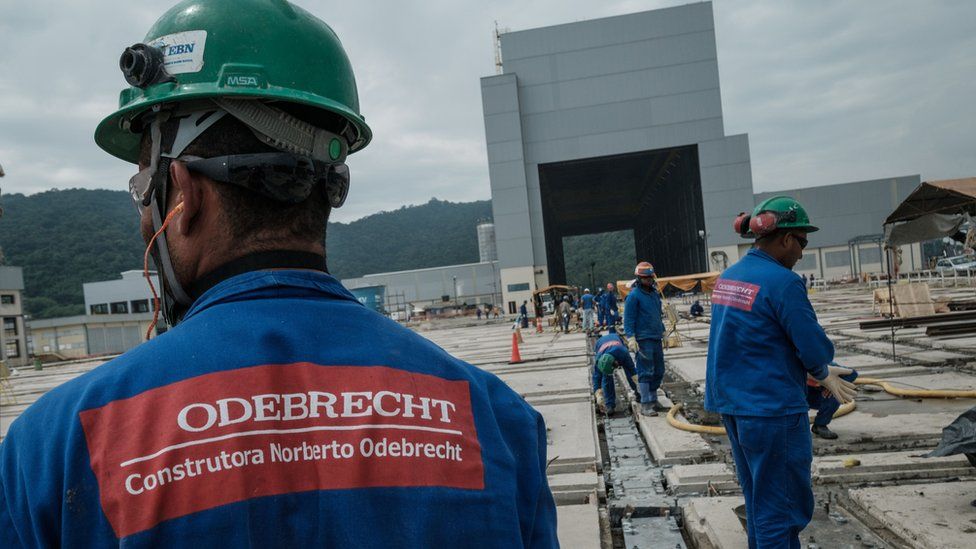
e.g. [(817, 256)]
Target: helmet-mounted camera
[(142, 65)]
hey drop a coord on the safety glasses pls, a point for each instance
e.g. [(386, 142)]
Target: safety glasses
[(284, 177), (802, 240), (139, 188)]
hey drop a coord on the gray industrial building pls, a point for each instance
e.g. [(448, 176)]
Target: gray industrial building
[(435, 287), (13, 338), (616, 124)]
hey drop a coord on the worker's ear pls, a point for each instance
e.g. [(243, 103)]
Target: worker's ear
[(193, 190)]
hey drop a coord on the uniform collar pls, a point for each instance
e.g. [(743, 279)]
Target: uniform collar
[(763, 255), (269, 284)]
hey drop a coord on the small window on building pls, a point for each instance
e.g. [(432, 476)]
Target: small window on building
[(140, 306), (12, 349), (511, 307), (99, 309), (869, 255), (9, 326), (120, 308), (524, 287), (7, 299), (840, 258), (806, 263)]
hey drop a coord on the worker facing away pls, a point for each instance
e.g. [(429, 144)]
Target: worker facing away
[(587, 303), (609, 352), (825, 403), (564, 312), (278, 411), (644, 329), (764, 341)]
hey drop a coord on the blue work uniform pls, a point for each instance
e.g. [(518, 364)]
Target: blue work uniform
[(587, 303), (642, 320), (614, 346), (610, 305), (764, 340), (280, 413), (524, 312), (601, 309)]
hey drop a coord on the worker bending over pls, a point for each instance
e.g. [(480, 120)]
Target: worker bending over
[(697, 309), (764, 341), (825, 403), (278, 411), (644, 329), (609, 352)]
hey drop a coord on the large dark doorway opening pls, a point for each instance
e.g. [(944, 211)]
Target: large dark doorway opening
[(656, 194)]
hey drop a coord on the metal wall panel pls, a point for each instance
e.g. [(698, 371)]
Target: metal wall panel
[(619, 29), (846, 210)]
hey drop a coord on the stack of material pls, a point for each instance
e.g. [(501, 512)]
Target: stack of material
[(910, 300)]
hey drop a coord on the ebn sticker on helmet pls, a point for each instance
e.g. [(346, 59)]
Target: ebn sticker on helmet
[(182, 51)]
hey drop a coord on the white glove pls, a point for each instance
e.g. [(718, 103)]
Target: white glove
[(632, 344), (599, 397), (842, 390)]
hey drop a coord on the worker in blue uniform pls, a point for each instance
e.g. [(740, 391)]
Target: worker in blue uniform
[(764, 342), (611, 312), (609, 352), (587, 303), (697, 309), (278, 411), (644, 329), (601, 311), (825, 404)]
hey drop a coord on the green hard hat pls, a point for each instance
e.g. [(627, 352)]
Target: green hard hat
[(605, 363), (791, 214), (244, 49)]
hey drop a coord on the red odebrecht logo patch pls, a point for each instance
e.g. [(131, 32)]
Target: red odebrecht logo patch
[(733, 293), (264, 430)]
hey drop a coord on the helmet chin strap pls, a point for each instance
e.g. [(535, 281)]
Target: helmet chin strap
[(175, 300)]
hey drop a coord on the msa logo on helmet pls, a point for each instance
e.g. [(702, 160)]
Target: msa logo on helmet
[(243, 81)]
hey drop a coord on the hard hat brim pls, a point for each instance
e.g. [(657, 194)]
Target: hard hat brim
[(124, 144)]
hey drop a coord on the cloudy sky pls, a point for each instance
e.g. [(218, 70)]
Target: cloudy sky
[(828, 91)]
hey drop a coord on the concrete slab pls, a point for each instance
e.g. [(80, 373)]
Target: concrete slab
[(578, 526), (930, 516), (689, 479), (888, 466), (549, 382), (690, 369), (711, 523), (668, 445), (944, 380), (571, 432)]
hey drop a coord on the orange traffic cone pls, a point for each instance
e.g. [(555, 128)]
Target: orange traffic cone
[(538, 325), (516, 356)]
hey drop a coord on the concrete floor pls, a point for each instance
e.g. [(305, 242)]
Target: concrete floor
[(877, 503)]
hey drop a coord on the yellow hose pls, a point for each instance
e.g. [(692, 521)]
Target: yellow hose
[(914, 393), (843, 410), (710, 430)]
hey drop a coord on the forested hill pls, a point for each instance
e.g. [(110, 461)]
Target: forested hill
[(63, 239)]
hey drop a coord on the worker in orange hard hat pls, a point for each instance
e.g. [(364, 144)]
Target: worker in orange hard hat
[(644, 329)]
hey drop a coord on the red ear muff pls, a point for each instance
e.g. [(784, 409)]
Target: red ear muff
[(763, 224), (741, 223)]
